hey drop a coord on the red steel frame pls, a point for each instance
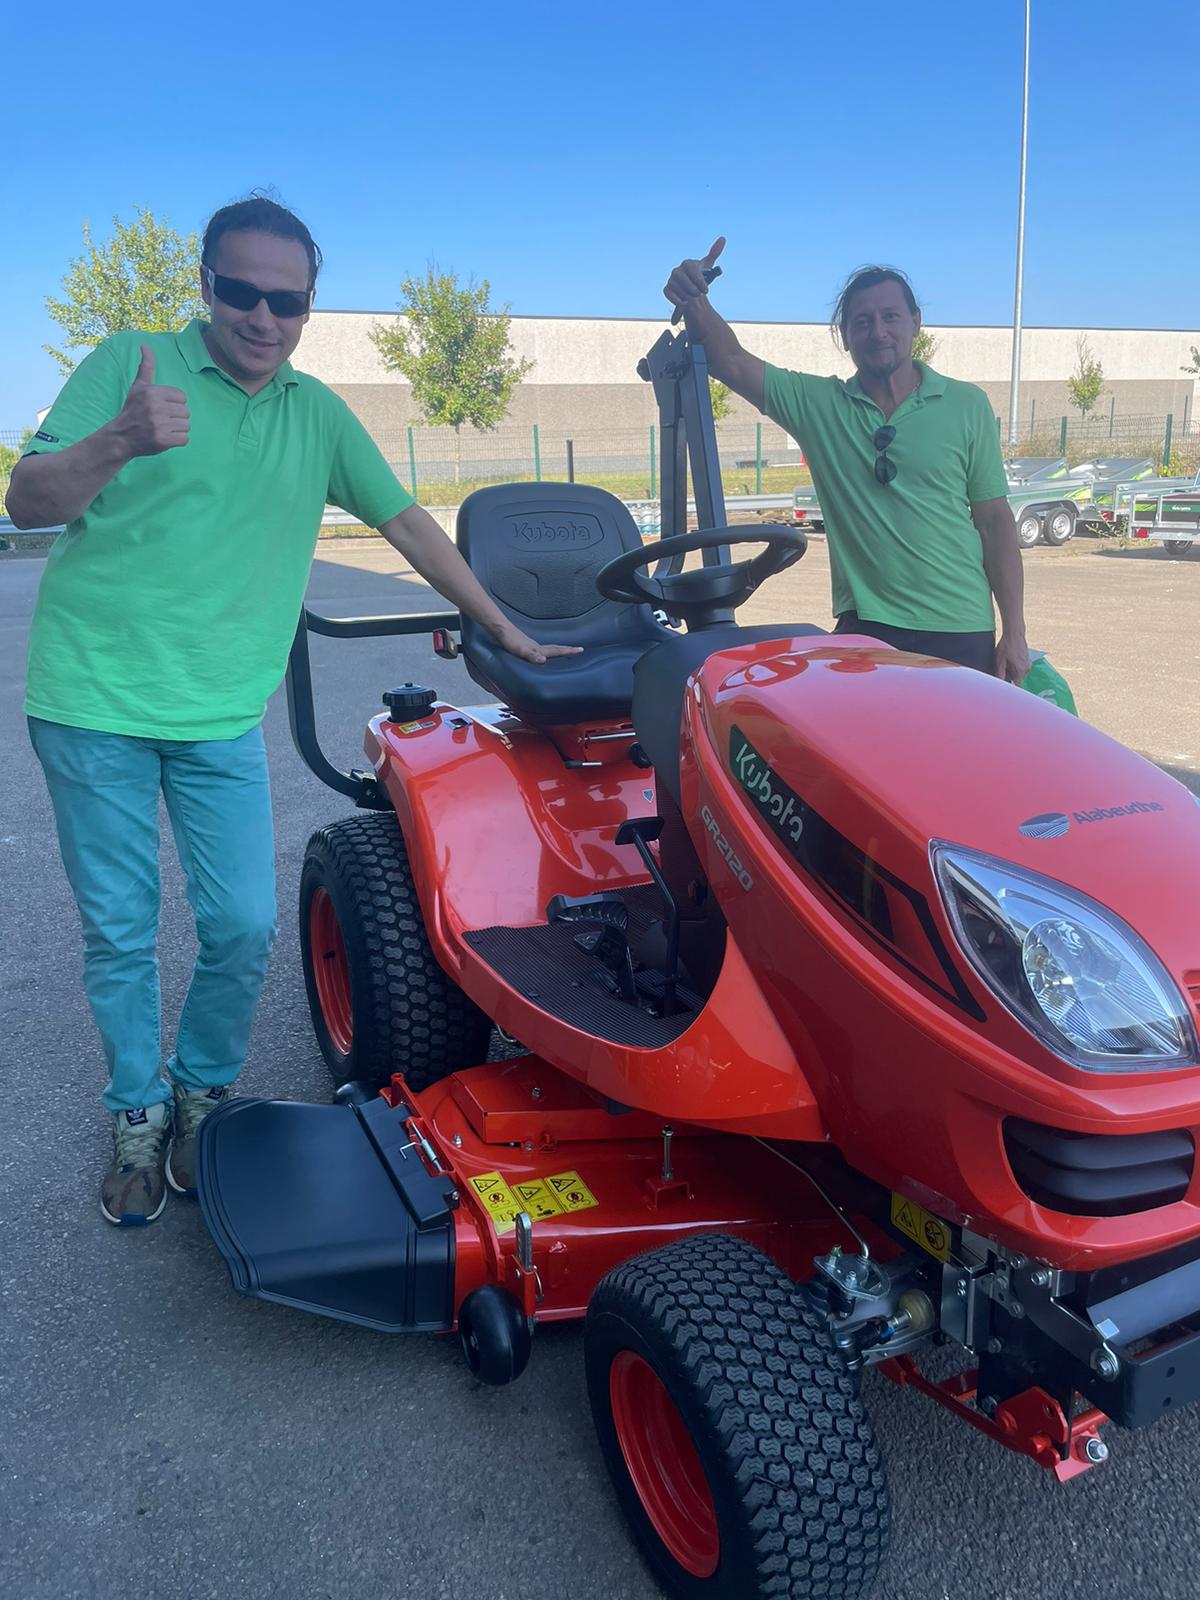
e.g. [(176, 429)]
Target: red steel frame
[(525, 1120), (1031, 1423), (530, 1122)]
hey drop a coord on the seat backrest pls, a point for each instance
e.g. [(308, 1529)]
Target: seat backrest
[(536, 548)]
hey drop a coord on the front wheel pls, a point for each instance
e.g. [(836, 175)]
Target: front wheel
[(736, 1444), (1178, 547), (1029, 530), (1058, 527), (380, 1002)]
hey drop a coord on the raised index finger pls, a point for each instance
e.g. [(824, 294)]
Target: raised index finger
[(714, 250)]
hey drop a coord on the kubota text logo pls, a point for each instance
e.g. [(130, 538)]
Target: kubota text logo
[(554, 533), (779, 804), (726, 849)]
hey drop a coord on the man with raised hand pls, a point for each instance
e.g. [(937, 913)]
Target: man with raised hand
[(191, 470), (907, 468)]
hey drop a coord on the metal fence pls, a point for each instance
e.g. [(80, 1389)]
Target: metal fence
[(1105, 433), (442, 467)]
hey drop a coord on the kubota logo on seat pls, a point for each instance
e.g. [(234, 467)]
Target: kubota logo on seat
[(726, 849), (554, 533)]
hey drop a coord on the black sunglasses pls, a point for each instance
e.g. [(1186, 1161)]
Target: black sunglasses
[(885, 467), (243, 296)]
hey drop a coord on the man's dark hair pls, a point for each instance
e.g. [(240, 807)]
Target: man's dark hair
[(259, 214), (867, 278)]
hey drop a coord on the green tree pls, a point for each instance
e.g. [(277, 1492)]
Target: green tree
[(453, 349), (925, 346), (721, 396), (1195, 366), (145, 277), (8, 460), (1086, 383)]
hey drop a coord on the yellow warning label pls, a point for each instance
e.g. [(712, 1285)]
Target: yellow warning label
[(922, 1227), (498, 1199), (540, 1198), (537, 1199), (571, 1192)]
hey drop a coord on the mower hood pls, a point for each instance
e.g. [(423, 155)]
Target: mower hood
[(894, 752)]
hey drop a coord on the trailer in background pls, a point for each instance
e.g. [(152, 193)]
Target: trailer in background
[(1020, 470), (1162, 509)]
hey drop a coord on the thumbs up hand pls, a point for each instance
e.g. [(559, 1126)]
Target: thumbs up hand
[(154, 417)]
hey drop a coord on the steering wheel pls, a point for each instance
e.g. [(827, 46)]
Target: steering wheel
[(708, 596)]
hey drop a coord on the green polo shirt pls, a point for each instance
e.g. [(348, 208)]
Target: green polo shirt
[(904, 553), (168, 608)]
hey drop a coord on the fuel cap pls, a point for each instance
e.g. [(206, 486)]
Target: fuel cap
[(409, 702)]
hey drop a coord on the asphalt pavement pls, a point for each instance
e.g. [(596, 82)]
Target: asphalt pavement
[(160, 1435)]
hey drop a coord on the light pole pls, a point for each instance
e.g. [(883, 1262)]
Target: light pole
[(1014, 389)]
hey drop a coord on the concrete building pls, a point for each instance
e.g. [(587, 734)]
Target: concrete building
[(583, 380)]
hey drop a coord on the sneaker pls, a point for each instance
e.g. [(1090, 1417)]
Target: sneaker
[(133, 1192), (191, 1108)]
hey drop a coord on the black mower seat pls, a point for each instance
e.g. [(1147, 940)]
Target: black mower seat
[(660, 682), (536, 548)]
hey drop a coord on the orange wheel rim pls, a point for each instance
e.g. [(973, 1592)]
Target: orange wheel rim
[(331, 971), (663, 1464)]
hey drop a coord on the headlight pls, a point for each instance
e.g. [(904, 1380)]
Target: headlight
[(1075, 974)]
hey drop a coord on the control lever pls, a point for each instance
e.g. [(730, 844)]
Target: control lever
[(639, 831)]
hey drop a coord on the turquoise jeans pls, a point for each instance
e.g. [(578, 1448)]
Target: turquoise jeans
[(104, 788)]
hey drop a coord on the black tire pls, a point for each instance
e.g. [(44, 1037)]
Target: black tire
[(397, 1010), (799, 1502), (494, 1335), (1058, 526), (1029, 529), (1178, 547)]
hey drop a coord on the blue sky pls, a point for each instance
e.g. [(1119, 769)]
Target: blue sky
[(572, 153)]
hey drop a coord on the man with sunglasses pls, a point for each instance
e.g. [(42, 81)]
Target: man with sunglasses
[(191, 470), (907, 468)]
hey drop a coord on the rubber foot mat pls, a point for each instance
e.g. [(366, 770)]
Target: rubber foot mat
[(546, 965)]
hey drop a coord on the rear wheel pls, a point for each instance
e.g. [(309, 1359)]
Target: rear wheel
[(1178, 547), (380, 1002), (1029, 529), (738, 1449), (1058, 526)]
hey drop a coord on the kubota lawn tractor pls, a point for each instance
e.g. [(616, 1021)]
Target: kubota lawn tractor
[(857, 996)]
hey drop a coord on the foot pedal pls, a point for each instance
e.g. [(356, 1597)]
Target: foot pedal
[(605, 910), (605, 935)]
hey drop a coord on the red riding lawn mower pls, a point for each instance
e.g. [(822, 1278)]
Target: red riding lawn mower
[(858, 998)]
